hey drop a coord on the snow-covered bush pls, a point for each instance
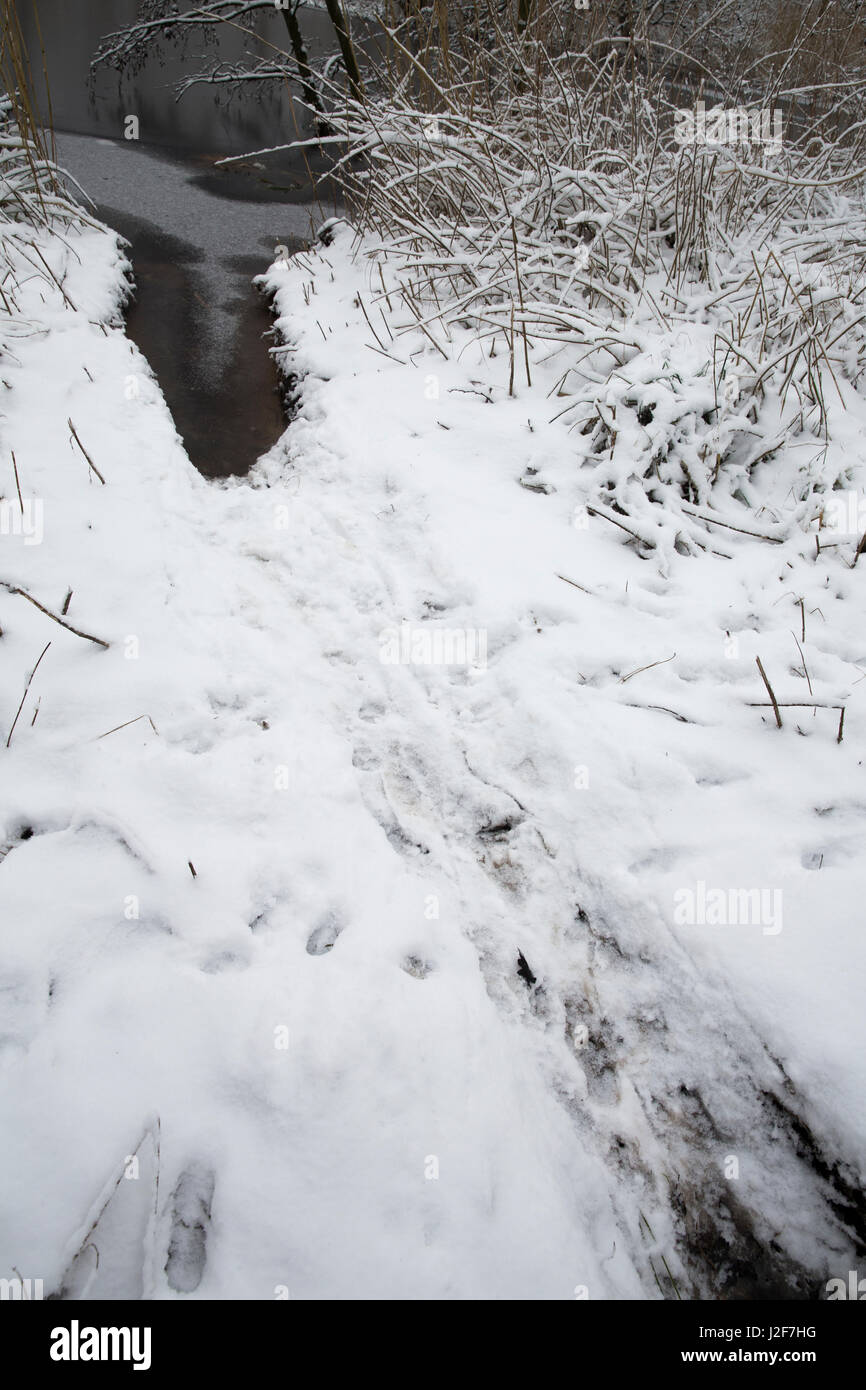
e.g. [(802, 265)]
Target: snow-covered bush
[(538, 197)]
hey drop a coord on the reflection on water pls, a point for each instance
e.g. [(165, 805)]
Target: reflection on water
[(197, 317), (229, 412), (202, 120), (198, 233)]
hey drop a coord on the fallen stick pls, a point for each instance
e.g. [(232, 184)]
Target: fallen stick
[(729, 525), (593, 511), (792, 704), (126, 726), (10, 588), (770, 692), (372, 329), (575, 585), (17, 481), (24, 696), (662, 662), (681, 718), (84, 452), (803, 704), (805, 668)]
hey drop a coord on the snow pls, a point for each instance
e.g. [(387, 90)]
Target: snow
[(265, 938)]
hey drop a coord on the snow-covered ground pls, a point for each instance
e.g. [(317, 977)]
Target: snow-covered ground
[(333, 975)]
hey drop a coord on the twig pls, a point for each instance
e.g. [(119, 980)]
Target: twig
[(126, 726), (10, 588), (84, 452), (729, 525), (372, 329), (17, 481), (593, 511), (24, 696), (663, 662), (575, 586), (769, 691), (400, 360), (794, 704), (520, 296), (805, 668), (681, 718)]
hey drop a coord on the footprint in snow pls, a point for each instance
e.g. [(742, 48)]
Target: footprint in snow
[(190, 1221), (322, 938), (223, 960), (417, 967)]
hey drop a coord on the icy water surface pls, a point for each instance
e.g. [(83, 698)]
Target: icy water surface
[(197, 238), (201, 120), (198, 232), (196, 316)]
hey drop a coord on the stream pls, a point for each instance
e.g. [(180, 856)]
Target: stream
[(198, 233)]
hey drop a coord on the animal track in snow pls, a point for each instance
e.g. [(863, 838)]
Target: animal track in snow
[(323, 937), (417, 967), (219, 961), (191, 1214)]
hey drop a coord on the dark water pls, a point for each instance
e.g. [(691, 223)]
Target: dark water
[(229, 418), (198, 233), (202, 120)]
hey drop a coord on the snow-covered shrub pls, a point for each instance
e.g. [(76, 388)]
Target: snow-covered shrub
[(538, 197)]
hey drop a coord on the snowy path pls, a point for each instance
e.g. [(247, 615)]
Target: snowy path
[(358, 1092)]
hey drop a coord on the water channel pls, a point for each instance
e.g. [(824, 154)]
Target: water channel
[(198, 232)]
